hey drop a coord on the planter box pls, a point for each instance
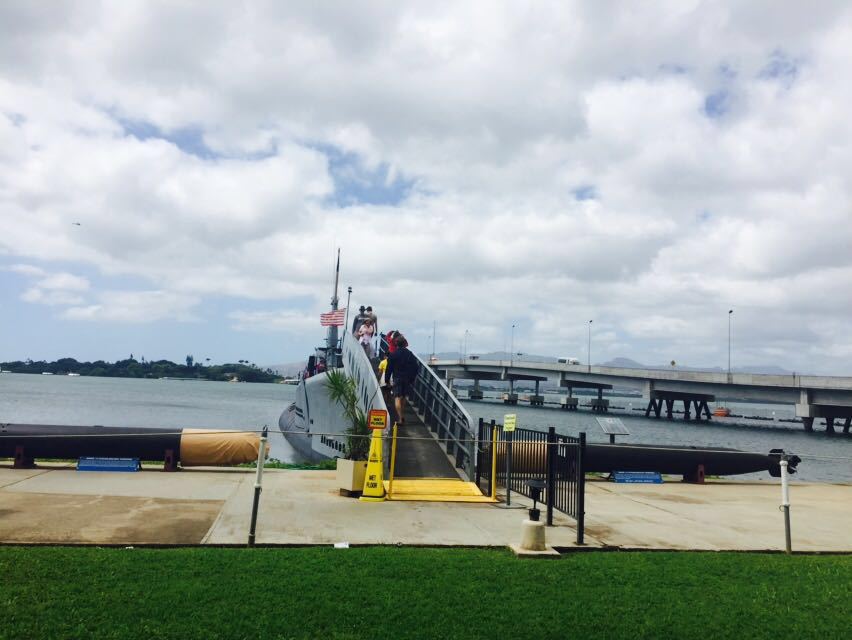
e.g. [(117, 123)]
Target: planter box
[(350, 476)]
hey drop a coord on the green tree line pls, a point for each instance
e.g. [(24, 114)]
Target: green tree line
[(132, 368)]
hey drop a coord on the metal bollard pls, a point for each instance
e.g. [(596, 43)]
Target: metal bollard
[(261, 456), (785, 503)]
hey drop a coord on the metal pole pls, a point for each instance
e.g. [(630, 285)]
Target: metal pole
[(392, 462), (493, 460), (785, 504), (512, 347), (551, 473), (730, 313), (509, 439), (581, 488), (589, 352), (261, 456), (348, 295), (433, 337)]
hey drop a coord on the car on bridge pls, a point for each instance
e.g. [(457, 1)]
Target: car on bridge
[(567, 360)]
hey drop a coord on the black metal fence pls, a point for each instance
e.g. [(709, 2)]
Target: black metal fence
[(524, 455)]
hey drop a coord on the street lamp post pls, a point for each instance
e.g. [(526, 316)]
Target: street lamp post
[(589, 351), (466, 332), (512, 346), (730, 313), (348, 296)]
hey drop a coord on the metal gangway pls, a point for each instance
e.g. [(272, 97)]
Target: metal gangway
[(435, 452)]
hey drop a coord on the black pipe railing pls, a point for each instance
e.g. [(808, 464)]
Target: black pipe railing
[(536, 455)]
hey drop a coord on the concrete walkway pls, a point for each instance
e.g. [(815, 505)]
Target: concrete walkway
[(60, 505)]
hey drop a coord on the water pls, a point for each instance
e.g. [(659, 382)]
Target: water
[(201, 404)]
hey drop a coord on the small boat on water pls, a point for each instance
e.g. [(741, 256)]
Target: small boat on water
[(73, 375), (721, 412), (46, 373)]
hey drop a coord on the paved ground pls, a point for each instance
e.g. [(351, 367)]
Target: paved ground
[(303, 507)]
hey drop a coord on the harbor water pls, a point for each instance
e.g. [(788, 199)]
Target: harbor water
[(138, 403)]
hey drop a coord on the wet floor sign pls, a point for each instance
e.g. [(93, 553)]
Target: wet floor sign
[(374, 486)]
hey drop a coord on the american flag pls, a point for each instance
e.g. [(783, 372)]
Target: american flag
[(333, 318)]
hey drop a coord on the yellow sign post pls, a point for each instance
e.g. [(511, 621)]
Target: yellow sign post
[(374, 482)]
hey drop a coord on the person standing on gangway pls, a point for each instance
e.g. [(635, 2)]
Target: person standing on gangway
[(401, 371)]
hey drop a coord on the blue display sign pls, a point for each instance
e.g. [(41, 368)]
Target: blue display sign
[(638, 477), (108, 464)]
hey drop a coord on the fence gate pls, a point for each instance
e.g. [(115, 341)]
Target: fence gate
[(536, 455)]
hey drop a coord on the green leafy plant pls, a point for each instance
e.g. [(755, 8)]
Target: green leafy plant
[(342, 389)]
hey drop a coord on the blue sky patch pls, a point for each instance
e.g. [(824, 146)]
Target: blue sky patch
[(717, 104), (190, 140), (781, 67), (586, 192), (355, 184)]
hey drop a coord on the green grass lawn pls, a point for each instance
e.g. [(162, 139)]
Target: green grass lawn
[(366, 593)]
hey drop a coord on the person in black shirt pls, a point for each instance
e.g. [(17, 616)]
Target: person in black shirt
[(359, 320), (402, 372)]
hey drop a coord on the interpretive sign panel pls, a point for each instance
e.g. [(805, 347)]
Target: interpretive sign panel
[(510, 420), (377, 419), (613, 426), (637, 477)]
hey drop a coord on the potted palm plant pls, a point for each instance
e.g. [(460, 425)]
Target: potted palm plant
[(353, 467)]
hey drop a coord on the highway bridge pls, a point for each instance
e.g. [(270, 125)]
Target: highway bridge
[(826, 397)]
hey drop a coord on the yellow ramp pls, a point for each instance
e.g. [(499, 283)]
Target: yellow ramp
[(435, 490)]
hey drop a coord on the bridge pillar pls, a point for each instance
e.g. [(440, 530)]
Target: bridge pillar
[(537, 400), (476, 392), (511, 397), (698, 401), (655, 405), (829, 412)]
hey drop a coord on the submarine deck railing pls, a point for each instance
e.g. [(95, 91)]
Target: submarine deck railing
[(555, 459), (357, 365)]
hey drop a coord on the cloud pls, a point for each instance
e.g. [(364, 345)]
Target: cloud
[(480, 165), (136, 307), (273, 321), (53, 289)]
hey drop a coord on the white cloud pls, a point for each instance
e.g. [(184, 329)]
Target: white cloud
[(273, 321), (136, 307), (190, 144)]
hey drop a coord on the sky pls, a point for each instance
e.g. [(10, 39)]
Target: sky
[(176, 176)]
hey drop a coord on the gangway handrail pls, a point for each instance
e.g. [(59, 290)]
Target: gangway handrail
[(446, 417)]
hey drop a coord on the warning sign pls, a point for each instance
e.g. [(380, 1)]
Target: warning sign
[(509, 421), (377, 419)]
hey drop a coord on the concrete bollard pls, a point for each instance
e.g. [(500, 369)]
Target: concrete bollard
[(533, 543), (533, 536)]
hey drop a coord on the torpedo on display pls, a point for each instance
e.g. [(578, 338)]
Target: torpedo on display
[(190, 447)]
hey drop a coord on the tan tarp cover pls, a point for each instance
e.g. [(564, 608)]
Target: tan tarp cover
[(202, 447)]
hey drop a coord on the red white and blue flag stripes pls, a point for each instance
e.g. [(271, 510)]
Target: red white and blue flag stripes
[(333, 318)]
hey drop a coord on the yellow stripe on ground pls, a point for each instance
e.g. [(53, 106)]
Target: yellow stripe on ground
[(436, 490)]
